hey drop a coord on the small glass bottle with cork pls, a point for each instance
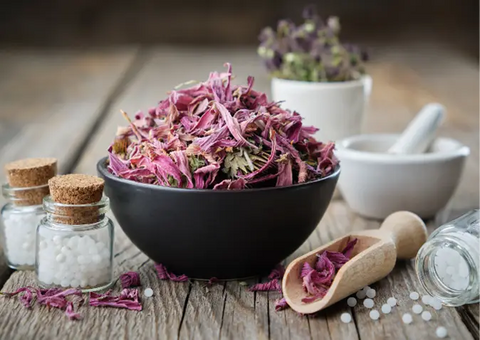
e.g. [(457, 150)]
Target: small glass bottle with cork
[(27, 185), (447, 265), (75, 240)]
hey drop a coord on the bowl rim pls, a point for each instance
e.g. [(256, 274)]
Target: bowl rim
[(102, 169), (344, 152)]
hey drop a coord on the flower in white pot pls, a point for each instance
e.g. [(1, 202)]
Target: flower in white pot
[(316, 75)]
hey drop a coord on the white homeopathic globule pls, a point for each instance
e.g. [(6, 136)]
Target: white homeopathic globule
[(19, 233), (73, 261)]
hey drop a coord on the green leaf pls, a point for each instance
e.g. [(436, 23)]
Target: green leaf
[(195, 162), (234, 162), (172, 181)]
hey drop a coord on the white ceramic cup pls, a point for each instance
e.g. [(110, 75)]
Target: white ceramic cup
[(336, 108)]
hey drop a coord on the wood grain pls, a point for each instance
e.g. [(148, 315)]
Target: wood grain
[(228, 310)]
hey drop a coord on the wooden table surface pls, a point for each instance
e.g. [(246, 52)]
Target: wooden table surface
[(66, 104)]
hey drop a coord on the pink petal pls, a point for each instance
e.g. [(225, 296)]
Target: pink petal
[(347, 251), (130, 279), (127, 299), (267, 286), (277, 272), (281, 304), (228, 184), (163, 274), (70, 313)]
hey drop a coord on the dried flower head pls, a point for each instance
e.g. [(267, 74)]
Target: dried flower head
[(218, 136), (311, 51)]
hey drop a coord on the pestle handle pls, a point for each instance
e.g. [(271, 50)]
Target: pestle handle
[(408, 232), (420, 133)]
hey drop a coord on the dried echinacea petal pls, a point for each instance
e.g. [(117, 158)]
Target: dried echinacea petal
[(130, 279), (281, 304), (215, 135), (70, 313), (53, 297), (277, 272), (212, 281), (26, 298), (164, 274), (266, 286), (317, 279), (128, 299)]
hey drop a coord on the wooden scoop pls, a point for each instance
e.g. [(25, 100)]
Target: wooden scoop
[(400, 236)]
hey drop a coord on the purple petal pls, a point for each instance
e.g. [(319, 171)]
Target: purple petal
[(285, 176), (281, 304), (228, 184), (164, 274), (267, 286), (277, 272), (70, 313), (130, 279), (347, 251)]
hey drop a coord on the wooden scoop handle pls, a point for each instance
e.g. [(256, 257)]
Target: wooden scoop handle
[(407, 231)]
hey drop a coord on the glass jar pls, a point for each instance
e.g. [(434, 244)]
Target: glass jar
[(447, 265), (75, 246), (19, 220)]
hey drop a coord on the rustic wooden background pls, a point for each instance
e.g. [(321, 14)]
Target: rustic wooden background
[(66, 104), (68, 67)]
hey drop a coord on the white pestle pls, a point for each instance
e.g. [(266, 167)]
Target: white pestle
[(420, 133)]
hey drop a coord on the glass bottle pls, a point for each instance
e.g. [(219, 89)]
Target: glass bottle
[(75, 246), (20, 217), (447, 265)]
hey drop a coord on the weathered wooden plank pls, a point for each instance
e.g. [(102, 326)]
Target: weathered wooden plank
[(56, 99), (208, 303), (229, 310), (44, 94), (160, 318)]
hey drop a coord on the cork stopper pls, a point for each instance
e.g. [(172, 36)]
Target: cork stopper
[(28, 179), (76, 189), (30, 172)]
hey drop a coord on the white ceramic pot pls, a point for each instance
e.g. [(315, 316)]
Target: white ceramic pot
[(337, 109), (376, 184)]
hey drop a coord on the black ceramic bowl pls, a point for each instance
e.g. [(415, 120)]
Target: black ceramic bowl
[(222, 234)]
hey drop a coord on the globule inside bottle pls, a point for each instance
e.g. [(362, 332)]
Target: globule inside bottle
[(19, 220), (447, 265), (75, 246)]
